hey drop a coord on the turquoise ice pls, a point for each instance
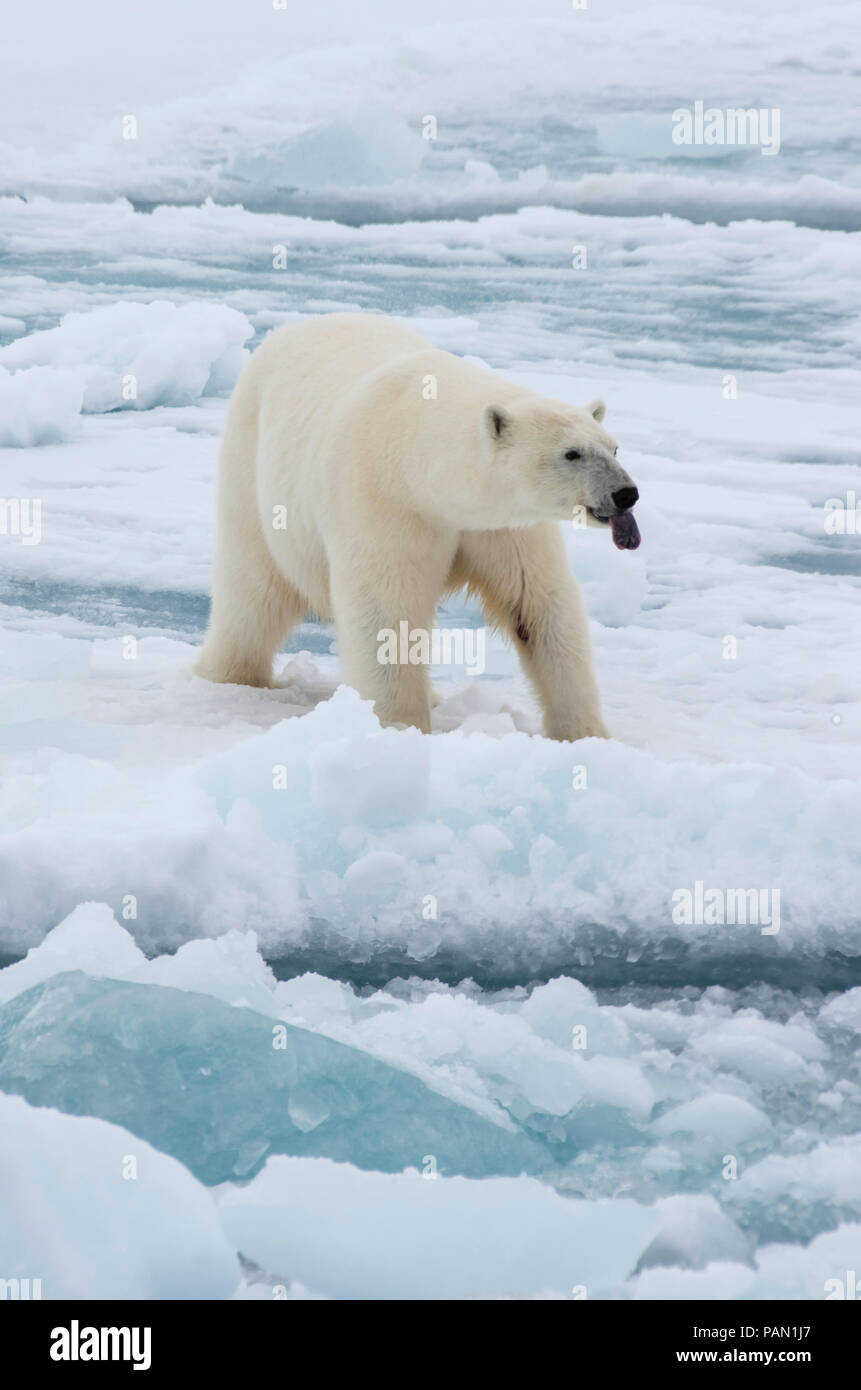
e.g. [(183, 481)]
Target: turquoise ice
[(222, 1088)]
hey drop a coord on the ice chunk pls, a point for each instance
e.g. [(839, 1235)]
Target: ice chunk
[(352, 1234), (41, 405), (824, 1269), (715, 1118), (490, 1059), (213, 1085), (694, 1232), (128, 356), (374, 146), (229, 968), (844, 1011), (794, 1196), (87, 1208), (763, 1050), (567, 1013), (89, 939)]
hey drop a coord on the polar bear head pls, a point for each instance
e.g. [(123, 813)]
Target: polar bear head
[(551, 461)]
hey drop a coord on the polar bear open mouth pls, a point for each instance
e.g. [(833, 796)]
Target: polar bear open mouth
[(626, 532)]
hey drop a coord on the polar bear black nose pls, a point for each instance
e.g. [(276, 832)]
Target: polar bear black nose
[(625, 498)]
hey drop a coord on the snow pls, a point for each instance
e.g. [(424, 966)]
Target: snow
[(87, 1207), (131, 356), (469, 939), (38, 406), (350, 1234)]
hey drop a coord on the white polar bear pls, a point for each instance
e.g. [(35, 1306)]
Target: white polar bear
[(364, 474)]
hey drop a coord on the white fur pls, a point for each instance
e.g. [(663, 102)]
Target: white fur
[(390, 499)]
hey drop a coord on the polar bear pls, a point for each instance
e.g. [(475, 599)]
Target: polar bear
[(364, 474)]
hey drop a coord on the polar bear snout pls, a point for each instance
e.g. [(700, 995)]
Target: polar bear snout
[(615, 510), (610, 490), (625, 498)]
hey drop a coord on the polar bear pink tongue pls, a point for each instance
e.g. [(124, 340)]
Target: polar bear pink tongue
[(626, 532)]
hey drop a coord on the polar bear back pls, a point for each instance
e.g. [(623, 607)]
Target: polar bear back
[(353, 408), (310, 383)]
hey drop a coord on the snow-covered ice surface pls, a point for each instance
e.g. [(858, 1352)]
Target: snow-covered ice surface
[(296, 965)]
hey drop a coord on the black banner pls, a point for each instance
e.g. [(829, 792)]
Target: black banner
[(85, 1339)]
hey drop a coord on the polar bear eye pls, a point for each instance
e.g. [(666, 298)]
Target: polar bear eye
[(573, 454), (615, 451)]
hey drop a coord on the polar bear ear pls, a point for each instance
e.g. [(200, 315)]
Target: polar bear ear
[(497, 422), (597, 410)]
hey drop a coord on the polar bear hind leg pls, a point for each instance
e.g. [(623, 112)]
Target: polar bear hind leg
[(251, 618), (253, 606)]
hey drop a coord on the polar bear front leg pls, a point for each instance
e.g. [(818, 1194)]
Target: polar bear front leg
[(529, 590), (380, 597)]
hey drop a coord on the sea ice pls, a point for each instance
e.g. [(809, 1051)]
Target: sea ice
[(91, 1211)]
